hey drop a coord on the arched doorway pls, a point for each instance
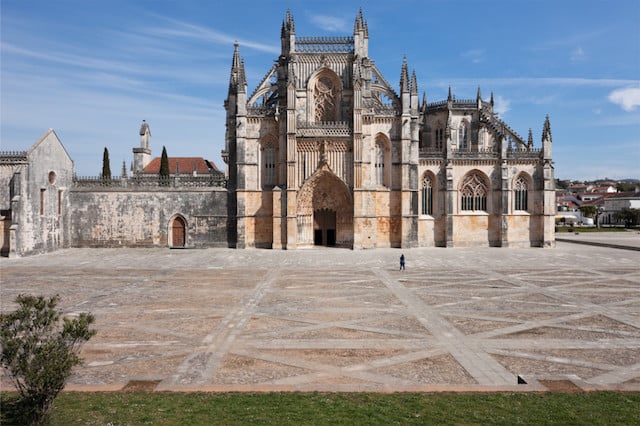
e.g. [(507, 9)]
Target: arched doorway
[(325, 211), (178, 232), (324, 227)]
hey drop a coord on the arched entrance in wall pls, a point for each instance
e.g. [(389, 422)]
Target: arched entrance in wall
[(178, 232), (325, 211)]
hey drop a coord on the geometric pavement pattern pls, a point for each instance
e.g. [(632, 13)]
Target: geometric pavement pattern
[(369, 328)]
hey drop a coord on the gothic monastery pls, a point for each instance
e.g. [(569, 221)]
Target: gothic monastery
[(324, 152)]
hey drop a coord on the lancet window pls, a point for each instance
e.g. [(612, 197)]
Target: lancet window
[(427, 195), (269, 161), (463, 137), (474, 194), (439, 139), (379, 162), (521, 195)]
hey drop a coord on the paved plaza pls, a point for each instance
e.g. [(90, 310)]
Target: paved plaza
[(341, 320)]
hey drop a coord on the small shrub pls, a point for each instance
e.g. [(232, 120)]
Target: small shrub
[(39, 353)]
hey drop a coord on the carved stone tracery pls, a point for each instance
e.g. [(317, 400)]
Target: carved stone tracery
[(324, 95)]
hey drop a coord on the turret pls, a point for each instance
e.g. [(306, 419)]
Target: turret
[(405, 87), (361, 36), (288, 35), (235, 104), (530, 140), (546, 139), (142, 154), (145, 135), (414, 92), (237, 79), (479, 98)]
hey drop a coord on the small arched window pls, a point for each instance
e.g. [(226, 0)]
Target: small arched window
[(463, 139), (269, 160), (427, 195), (474, 194), (521, 195)]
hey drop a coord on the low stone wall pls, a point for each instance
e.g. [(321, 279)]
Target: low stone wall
[(135, 217)]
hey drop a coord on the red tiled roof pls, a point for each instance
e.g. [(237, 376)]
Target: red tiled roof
[(184, 165)]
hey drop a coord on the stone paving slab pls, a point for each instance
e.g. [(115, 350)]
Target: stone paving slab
[(342, 320), (630, 239)]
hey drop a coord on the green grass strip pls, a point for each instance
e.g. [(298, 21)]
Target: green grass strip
[(138, 408)]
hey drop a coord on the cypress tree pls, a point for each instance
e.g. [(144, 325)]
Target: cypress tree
[(164, 166), (106, 167)]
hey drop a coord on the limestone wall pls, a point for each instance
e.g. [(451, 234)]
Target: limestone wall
[(40, 201), (120, 217)]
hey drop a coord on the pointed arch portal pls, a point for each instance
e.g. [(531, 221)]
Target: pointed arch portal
[(325, 211)]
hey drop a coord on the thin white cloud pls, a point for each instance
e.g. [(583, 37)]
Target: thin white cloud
[(627, 98), (501, 105), (196, 32), (476, 56), (578, 54), (330, 23)]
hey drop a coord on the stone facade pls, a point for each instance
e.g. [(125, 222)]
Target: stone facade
[(325, 152), (35, 187)]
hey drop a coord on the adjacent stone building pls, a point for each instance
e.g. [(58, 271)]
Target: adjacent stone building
[(35, 209), (323, 152)]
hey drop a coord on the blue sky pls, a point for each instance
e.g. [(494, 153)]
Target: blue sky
[(92, 70)]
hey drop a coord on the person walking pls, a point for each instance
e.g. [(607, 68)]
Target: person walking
[(402, 262)]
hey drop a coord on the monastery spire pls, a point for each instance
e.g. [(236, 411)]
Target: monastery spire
[(359, 24), (546, 129), (404, 76), (287, 35), (361, 36), (289, 25), (237, 79), (546, 139), (530, 139), (414, 84)]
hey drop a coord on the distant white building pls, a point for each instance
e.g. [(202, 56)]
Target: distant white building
[(618, 202)]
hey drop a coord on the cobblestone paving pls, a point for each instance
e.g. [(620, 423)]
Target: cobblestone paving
[(340, 320)]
